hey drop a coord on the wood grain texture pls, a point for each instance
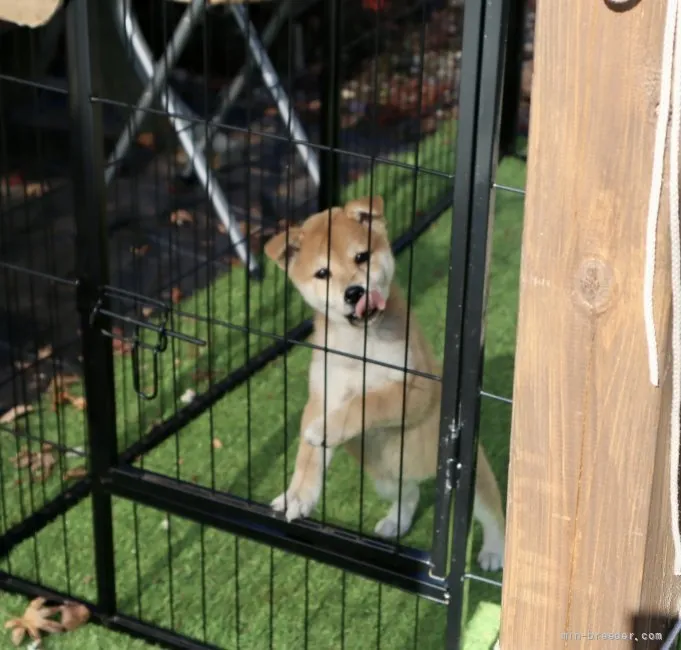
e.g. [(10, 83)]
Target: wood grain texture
[(588, 532)]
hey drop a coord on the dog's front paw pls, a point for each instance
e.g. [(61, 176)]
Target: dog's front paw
[(295, 504), (314, 433), (491, 556)]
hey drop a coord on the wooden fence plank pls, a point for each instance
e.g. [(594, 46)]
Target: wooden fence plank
[(587, 506)]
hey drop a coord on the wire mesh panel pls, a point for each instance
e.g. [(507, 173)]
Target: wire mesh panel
[(234, 343)]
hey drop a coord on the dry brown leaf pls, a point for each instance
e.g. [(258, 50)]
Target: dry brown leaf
[(34, 189), (22, 459), (217, 443), (180, 217), (78, 402), (59, 397), (35, 619), (175, 295), (87, 580), (139, 251), (120, 345), (204, 375), (147, 311), (22, 365), (75, 473), (146, 139), (44, 352), (42, 464), (73, 615), (15, 412)]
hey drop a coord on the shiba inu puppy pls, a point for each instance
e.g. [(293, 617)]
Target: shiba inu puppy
[(342, 264)]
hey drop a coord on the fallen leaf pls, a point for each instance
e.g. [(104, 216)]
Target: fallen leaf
[(42, 464), (15, 412), (22, 459), (147, 311), (87, 580), (78, 402), (59, 397), (203, 375), (180, 217), (146, 139), (217, 443), (34, 189), (75, 473), (36, 618), (73, 615), (120, 344), (176, 295), (139, 251), (44, 352)]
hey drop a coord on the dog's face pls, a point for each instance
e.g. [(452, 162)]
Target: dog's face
[(344, 255)]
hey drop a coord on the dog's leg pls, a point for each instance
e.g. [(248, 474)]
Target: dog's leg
[(306, 484), (488, 510), (402, 508)]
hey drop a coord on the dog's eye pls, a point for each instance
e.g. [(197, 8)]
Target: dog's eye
[(362, 258), (322, 274)]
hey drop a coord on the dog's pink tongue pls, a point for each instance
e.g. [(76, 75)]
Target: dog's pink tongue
[(375, 301)]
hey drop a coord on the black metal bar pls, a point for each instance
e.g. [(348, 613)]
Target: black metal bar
[(92, 271), (513, 77), (329, 176), (481, 216), (32, 525), (400, 567), (119, 623), (463, 188)]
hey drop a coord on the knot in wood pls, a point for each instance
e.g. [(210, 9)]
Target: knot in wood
[(593, 288)]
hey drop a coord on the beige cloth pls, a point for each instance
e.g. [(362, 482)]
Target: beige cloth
[(33, 13)]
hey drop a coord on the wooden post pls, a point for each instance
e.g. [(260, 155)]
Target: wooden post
[(588, 530)]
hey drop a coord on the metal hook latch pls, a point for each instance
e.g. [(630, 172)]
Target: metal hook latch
[(136, 342)]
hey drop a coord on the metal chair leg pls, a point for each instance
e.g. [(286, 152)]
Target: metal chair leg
[(189, 20), (181, 117), (273, 85), (230, 94)]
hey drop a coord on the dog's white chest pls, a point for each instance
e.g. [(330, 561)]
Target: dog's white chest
[(350, 375)]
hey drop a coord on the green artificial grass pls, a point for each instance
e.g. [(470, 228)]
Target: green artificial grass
[(233, 592)]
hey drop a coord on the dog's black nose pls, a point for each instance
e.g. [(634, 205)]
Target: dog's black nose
[(353, 294)]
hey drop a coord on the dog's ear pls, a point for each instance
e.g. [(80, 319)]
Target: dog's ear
[(281, 248), (368, 209)]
